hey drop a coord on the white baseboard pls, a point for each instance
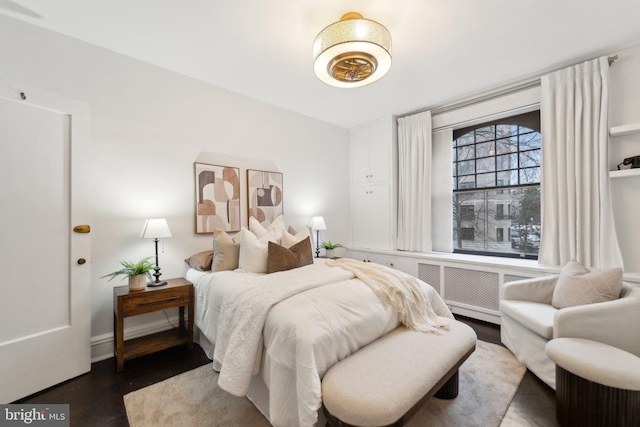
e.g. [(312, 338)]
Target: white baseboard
[(102, 345)]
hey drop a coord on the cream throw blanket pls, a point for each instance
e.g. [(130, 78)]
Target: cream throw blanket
[(399, 289)]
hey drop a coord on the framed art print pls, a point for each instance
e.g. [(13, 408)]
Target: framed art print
[(264, 190), (217, 198)]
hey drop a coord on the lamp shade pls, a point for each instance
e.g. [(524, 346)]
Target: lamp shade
[(155, 229), (352, 52), (317, 223)]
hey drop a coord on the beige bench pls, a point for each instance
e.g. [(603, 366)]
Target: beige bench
[(386, 382)]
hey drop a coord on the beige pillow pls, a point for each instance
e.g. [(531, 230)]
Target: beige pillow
[(289, 239), (254, 251), (225, 251), (280, 258), (276, 228), (201, 260), (578, 286)]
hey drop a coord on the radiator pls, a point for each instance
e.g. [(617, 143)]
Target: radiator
[(513, 278), (472, 287), (430, 274)]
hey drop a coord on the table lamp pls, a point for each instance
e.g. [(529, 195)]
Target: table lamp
[(156, 229), (317, 223)]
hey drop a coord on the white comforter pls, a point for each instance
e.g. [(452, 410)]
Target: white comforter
[(327, 315)]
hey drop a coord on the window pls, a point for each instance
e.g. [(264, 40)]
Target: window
[(467, 233), (496, 182)]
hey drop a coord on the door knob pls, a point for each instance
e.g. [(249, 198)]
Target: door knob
[(82, 228)]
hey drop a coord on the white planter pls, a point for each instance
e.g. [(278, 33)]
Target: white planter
[(137, 283), (328, 253)]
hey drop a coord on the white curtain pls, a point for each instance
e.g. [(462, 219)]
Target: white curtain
[(414, 183), (577, 217)]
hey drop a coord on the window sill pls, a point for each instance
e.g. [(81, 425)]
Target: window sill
[(477, 260)]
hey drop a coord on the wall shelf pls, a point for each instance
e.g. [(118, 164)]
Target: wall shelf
[(624, 130), (624, 173)]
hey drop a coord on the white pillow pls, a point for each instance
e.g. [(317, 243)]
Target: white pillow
[(275, 228), (289, 239), (579, 286), (254, 252)]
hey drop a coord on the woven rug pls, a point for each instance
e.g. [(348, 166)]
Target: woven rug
[(488, 382)]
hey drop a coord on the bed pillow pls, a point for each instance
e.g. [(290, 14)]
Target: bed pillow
[(201, 260), (578, 286), (289, 239), (254, 251), (226, 251), (280, 258), (276, 228)]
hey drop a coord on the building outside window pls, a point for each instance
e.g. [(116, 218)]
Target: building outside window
[(496, 181)]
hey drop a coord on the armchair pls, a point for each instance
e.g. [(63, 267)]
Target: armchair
[(529, 321)]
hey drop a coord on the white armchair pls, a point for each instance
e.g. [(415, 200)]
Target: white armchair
[(529, 321)]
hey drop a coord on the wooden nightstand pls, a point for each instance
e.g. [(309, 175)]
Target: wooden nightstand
[(176, 293)]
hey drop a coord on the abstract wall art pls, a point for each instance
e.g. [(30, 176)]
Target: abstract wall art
[(264, 190), (217, 198)]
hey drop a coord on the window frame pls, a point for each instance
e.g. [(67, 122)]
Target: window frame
[(481, 144)]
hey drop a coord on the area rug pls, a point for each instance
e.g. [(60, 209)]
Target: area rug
[(488, 382)]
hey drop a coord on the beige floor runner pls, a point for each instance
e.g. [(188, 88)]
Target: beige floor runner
[(488, 382)]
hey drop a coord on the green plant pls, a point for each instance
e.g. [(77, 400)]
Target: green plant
[(329, 245), (133, 269)]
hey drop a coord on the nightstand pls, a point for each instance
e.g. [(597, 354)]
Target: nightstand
[(176, 293)]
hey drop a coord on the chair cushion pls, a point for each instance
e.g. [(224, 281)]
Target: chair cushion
[(578, 286), (597, 362), (534, 316)]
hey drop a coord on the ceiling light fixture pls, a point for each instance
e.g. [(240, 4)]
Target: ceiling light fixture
[(352, 52)]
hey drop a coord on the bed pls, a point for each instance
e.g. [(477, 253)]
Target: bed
[(273, 336)]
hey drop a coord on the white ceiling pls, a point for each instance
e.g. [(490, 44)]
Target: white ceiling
[(443, 50)]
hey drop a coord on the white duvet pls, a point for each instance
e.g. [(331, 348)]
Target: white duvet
[(316, 316)]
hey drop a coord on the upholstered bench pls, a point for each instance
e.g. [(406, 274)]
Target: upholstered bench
[(596, 384), (386, 382)]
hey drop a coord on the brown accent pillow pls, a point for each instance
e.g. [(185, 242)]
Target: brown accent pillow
[(578, 286), (201, 260), (280, 258)]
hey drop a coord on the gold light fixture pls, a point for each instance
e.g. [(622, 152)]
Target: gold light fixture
[(352, 52)]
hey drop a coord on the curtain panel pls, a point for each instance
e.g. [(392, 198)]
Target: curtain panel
[(414, 183), (577, 216)]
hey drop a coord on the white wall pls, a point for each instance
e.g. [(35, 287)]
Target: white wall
[(624, 101), (148, 127)]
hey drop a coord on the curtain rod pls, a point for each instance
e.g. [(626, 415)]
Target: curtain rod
[(516, 87)]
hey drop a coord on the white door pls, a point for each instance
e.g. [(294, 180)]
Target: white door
[(360, 228), (359, 156), (380, 151), (379, 216), (45, 317)]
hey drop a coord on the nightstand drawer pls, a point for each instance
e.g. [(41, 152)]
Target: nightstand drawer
[(144, 304)]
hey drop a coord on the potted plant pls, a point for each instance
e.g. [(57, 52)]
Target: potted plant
[(137, 273), (329, 247)]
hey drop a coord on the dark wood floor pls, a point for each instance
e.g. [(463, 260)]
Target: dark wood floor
[(95, 398)]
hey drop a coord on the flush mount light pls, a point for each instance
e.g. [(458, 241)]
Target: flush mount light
[(352, 52)]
